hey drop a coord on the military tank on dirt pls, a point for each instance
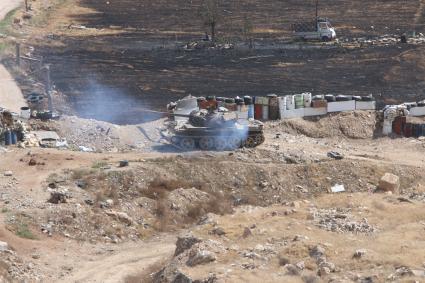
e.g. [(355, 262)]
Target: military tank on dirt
[(213, 130)]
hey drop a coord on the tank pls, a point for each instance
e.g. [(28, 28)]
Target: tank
[(212, 130)]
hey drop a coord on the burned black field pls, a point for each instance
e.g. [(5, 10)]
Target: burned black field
[(145, 65)]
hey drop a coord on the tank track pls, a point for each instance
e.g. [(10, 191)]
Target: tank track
[(217, 143)]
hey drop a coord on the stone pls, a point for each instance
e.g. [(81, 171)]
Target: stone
[(120, 216), (218, 231), (57, 197), (317, 252), (389, 183), (359, 253), (3, 246), (171, 274), (264, 184), (8, 173), (246, 233), (292, 270), (184, 243), (300, 265), (323, 271), (32, 162), (197, 257)]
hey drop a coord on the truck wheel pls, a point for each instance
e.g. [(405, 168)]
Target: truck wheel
[(325, 38)]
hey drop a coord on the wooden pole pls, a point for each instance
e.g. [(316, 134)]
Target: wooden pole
[(48, 87), (26, 5), (18, 54), (317, 8)]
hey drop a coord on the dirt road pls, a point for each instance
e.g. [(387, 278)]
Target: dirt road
[(130, 260), (10, 95), (8, 5)]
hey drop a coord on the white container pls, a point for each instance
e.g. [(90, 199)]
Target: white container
[(307, 99), (388, 127), (265, 112), (290, 102), (282, 102), (365, 105), (340, 106), (25, 112)]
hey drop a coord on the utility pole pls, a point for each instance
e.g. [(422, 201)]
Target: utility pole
[(48, 87), (317, 9), (18, 54)]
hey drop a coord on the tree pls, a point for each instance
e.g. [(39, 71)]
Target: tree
[(247, 30), (210, 14)]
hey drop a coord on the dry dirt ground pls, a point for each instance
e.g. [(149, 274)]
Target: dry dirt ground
[(259, 214), (119, 224)]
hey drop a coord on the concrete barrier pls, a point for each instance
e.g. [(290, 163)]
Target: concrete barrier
[(365, 105), (315, 111), (294, 113), (417, 111), (340, 106)]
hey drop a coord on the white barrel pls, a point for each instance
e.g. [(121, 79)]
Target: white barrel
[(290, 102), (307, 99), (265, 112), (25, 112), (388, 127)]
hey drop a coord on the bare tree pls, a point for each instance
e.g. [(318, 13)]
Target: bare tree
[(210, 14), (247, 30)]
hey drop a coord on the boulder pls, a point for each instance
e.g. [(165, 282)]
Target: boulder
[(58, 197), (171, 274), (184, 243), (197, 257), (3, 246), (317, 252), (389, 183), (120, 216)]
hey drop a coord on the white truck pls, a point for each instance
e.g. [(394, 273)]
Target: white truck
[(320, 29)]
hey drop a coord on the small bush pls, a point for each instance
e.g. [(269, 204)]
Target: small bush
[(23, 231), (99, 164)]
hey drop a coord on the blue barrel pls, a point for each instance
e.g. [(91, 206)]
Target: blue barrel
[(251, 111), (7, 138), (14, 137)]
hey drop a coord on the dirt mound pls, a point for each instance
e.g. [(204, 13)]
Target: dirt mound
[(353, 125)]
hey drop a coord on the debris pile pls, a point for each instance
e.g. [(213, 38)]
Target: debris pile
[(340, 220), (17, 269)]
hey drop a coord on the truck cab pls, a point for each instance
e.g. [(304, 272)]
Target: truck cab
[(325, 29)]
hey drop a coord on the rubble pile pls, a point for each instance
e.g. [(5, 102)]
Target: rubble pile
[(340, 220), (199, 45), (17, 269), (97, 136), (389, 39)]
